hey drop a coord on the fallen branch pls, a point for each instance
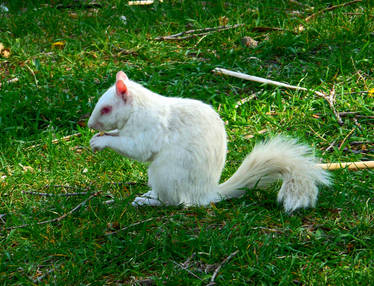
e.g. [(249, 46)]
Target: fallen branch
[(345, 138), (60, 217), (54, 195), (355, 115), (348, 165), (220, 266), (307, 19), (91, 5), (185, 268), (357, 14), (268, 229), (266, 29), (197, 32), (131, 225), (369, 152), (142, 2), (258, 79), (65, 187), (330, 99)]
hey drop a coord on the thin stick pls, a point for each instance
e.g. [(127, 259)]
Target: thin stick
[(202, 38), (330, 99), (268, 229), (65, 187), (142, 2), (197, 32), (185, 268), (131, 225), (220, 266), (54, 195), (256, 79), (33, 73), (345, 138), (185, 37), (60, 217), (330, 147), (307, 19), (349, 165)]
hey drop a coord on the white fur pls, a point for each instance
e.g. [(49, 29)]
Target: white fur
[(185, 141)]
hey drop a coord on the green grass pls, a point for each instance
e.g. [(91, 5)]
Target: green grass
[(57, 88)]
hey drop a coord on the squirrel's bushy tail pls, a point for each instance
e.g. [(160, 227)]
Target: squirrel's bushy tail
[(279, 158)]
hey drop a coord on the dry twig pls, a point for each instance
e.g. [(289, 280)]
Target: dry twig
[(54, 195), (220, 266), (307, 19), (329, 147), (345, 138), (349, 165), (60, 217), (142, 2), (330, 99), (63, 186), (196, 33), (185, 268), (131, 225)]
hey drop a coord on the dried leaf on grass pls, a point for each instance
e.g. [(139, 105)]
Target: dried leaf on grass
[(4, 52), (249, 42)]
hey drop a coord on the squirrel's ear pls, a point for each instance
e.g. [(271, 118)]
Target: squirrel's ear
[(121, 88)]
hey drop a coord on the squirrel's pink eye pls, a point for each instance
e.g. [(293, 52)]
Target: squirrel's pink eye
[(106, 110)]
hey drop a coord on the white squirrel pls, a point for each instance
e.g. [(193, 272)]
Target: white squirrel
[(185, 141)]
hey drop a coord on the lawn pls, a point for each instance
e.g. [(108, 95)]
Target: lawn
[(58, 57)]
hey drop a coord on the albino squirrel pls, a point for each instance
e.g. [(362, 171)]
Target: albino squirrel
[(185, 141)]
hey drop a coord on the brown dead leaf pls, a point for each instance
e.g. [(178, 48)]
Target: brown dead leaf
[(82, 123), (6, 53), (249, 42), (3, 51), (73, 15)]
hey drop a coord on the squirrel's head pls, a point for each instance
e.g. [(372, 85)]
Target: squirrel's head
[(114, 106)]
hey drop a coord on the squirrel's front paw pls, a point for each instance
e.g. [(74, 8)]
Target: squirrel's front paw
[(98, 142)]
